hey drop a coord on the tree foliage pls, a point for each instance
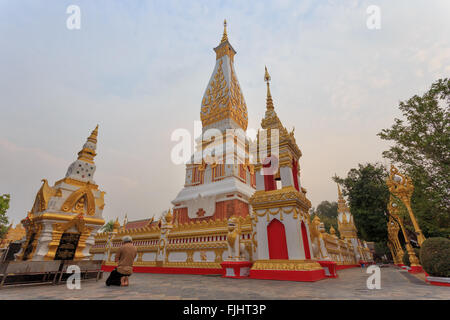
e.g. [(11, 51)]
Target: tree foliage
[(4, 206), (435, 257), (108, 227), (328, 209), (422, 149), (367, 196), (327, 212)]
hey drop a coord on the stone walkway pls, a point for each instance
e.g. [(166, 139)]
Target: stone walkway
[(351, 284)]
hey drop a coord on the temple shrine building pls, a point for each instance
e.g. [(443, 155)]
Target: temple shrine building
[(228, 199)]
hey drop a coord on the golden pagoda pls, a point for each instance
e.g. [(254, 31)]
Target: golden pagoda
[(64, 219)]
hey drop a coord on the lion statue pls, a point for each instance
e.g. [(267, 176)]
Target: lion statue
[(317, 243), (236, 249)]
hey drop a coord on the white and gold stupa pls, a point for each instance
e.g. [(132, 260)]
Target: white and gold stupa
[(65, 218), (221, 187), (228, 215)]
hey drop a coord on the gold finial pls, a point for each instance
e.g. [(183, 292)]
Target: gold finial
[(87, 153), (332, 231), (169, 217), (266, 75), (116, 225), (94, 134), (339, 191), (225, 36), (269, 103)]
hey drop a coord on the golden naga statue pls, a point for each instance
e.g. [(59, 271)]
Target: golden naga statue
[(402, 187), (235, 246), (317, 242)]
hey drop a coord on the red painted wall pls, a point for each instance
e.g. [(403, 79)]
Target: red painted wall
[(276, 236), (224, 210), (305, 241)]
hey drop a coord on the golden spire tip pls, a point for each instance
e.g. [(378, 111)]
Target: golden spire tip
[(225, 36), (269, 102), (266, 75)]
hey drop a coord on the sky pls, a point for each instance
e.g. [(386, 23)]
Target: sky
[(139, 69)]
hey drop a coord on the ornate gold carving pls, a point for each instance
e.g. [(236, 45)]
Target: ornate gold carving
[(393, 211), (346, 227), (30, 227), (87, 154), (203, 255), (404, 189), (192, 264), (162, 244), (288, 265), (218, 255), (234, 231), (77, 183), (190, 256), (271, 121), (225, 36), (284, 197), (43, 196), (77, 222), (224, 100), (81, 201), (100, 202), (60, 228)]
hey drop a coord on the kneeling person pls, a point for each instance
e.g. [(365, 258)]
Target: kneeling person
[(125, 258)]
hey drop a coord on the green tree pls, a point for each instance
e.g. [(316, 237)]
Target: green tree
[(381, 250), (328, 209), (4, 206), (368, 196), (108, 227), (422, 149), (327, 212)]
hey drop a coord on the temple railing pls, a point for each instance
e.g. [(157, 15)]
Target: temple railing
[(190, 245), (202, 244)]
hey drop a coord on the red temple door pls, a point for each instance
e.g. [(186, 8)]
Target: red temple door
[(276, 236), (305, 241)]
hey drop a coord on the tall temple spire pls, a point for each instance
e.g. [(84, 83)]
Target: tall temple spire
[(269, 103), (223, 104), (271, 119), (88, 152), (225, 36), (346, 224), (84, 167), (342, 204), (339, 192)]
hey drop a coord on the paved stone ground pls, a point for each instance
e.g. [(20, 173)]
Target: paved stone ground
[(351, 284)]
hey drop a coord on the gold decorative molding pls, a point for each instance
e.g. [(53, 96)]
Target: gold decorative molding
[(77, 183), (286, 196), (223, 99), (80, 201), (43, 196), (66, 217), (287, 265)]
